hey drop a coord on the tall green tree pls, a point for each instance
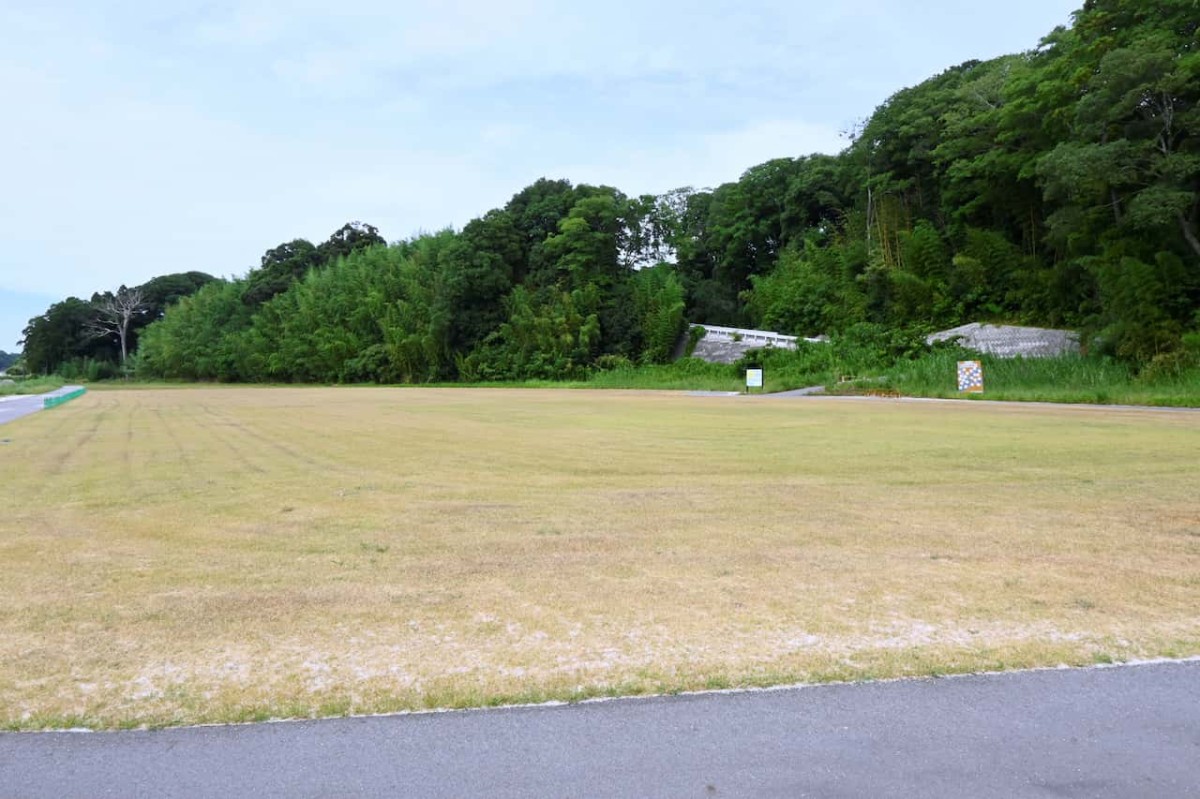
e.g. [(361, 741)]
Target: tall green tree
[(1119, 94), (278, 269), (349, 238), (61, 334), (476, 273)]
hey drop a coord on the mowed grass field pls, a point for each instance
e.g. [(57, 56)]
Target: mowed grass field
[(229, 554)]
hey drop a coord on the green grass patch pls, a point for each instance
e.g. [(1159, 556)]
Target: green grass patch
[(783, 370), (863, 362), (1069, 379), (686, 374), (32, 385), (848, 367)]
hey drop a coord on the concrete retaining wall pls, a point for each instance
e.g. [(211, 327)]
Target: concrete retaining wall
[(1012, 341), (729, 344)]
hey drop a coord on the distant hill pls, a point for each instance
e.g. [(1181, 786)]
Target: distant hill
[(7, 359)]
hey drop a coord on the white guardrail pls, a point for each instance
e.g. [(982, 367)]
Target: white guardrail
[(762, 338)]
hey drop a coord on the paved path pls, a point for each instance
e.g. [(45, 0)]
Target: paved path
[(15, 407), (811, 391), (1130, 731)]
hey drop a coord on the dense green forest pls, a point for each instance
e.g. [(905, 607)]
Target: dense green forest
[(77, 338), (1058, 187)]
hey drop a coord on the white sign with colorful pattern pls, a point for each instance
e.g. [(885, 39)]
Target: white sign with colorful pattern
[(970, 377)]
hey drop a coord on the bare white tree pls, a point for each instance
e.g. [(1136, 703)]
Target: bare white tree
[(113, 315)]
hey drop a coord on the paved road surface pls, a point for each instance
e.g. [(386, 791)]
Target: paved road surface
[(24, 404), (1131, 731)]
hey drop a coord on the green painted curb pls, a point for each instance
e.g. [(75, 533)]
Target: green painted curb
[(54, 402)]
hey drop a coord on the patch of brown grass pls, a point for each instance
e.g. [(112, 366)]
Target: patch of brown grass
[(226, 554)]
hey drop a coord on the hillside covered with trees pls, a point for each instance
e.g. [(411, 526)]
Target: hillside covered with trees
[(1057, 187)]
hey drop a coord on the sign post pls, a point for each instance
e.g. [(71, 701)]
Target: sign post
[(754, 379)]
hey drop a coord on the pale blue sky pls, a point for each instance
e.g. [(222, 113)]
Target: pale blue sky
[(146, 138)]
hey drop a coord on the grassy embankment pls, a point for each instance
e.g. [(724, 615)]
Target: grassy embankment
[(1066, 379), (1071, 379), (895, 366), (32, 385), (237, 554)]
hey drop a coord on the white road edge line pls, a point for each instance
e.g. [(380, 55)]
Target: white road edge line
[(638, 697)]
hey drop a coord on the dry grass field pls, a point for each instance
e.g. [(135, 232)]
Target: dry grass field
[(230, 554)]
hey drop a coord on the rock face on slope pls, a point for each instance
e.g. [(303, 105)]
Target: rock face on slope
[(1011, 341)]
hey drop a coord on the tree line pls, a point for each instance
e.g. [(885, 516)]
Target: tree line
[(1057, 187), (80, 338)]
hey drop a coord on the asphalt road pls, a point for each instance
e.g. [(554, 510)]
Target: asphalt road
[(1130, 731), (15, 407)]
